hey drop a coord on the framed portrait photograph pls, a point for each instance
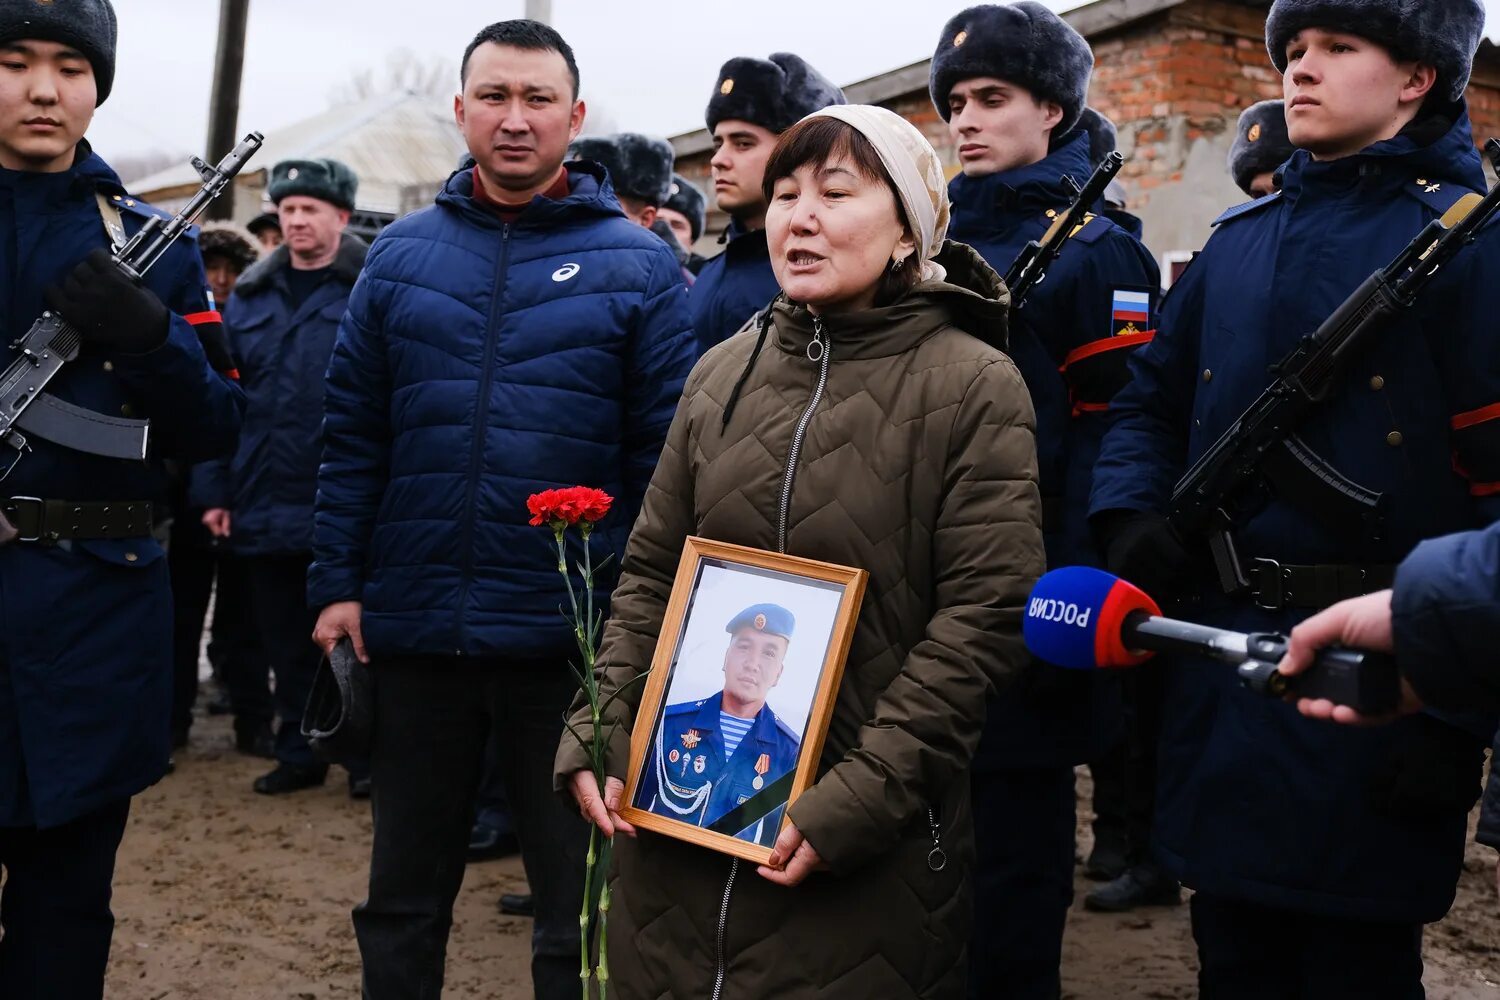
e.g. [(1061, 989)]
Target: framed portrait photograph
[(738, 698)]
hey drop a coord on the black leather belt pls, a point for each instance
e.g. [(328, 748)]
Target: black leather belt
[(1275, 585), (48, 521)]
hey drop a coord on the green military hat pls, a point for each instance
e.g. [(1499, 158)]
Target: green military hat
[(327, 180), (771, 619)]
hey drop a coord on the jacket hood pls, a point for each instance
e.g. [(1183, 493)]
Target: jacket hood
[(346, 265), (589, 196), (971, 297), (1423, 149), (985, 204)]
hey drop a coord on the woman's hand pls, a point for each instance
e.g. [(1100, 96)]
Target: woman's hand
[(601, 810), (792, 859)]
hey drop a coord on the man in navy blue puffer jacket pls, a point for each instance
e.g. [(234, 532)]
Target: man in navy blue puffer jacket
[(521, 334)]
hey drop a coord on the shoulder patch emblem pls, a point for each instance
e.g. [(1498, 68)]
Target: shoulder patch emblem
[(1130, 311)]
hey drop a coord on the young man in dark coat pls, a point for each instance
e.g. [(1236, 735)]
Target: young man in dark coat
[(754, 101), (684, 211), (1318, 852), (282, 321), (1011, 82), (85, 605), (520, 334), (1260, 147)]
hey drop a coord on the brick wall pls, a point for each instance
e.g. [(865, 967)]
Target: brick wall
[(1174, 83)]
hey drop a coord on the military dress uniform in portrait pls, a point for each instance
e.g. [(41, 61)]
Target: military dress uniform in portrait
[(710, 757)]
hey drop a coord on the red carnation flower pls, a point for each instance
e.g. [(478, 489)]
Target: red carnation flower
[(569, 506)]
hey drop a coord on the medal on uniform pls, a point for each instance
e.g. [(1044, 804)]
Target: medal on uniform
[(673, 756), (699, 763), (762, 765), (691, 738)]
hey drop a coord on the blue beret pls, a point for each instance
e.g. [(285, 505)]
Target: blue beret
[(771, 619)]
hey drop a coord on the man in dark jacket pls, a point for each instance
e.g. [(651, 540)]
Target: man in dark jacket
[(518, 335), (753, 102), (1318, 852), (85, 605), (1010, 82), (684, 212), (283, 318)]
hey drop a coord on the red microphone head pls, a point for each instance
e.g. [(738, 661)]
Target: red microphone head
[(1075, 617)]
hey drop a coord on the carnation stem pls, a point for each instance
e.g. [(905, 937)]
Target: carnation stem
[(585, 969)]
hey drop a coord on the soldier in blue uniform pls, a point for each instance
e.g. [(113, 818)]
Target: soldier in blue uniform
[(754, 101), (1011, 82), (714, 755), (1318, 852), (85, 608)]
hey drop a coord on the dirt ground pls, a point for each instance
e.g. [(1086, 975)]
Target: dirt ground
[(223, 893)]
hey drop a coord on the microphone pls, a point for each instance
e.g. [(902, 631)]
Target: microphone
[(1081, 618)]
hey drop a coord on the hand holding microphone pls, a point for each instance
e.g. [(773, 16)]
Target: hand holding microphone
[(1085, 619), (1364, 622)]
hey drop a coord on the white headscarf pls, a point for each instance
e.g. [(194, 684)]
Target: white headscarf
[(915, 169)]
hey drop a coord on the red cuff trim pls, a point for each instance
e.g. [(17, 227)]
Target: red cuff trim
[(1108, 344), (1482, 415), (199, 318), (232, 374)]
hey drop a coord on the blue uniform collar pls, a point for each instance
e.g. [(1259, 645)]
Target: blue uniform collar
[(88, 173), (707, 719), (1450, 159), (589, 196), (745, 243), (982, 204)]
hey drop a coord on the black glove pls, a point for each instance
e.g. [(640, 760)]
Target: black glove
[(1433, 768), (108, 310), (1146, 550)]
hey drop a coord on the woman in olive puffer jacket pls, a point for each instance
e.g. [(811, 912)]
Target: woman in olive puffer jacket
[(871, 389)]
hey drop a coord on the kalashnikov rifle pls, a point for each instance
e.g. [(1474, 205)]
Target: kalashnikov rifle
[(1031, 264), (1261, 455), (52, 343)]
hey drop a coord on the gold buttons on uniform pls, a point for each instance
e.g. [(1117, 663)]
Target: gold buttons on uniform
[(1208, 375), (1394, 439), (131, 557), (109, 366), (125, 410), (1377, 383)]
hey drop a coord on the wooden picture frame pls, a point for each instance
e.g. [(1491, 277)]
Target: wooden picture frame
[(690, 786)]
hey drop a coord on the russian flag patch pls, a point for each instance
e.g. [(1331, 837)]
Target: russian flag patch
[(1131, 311)]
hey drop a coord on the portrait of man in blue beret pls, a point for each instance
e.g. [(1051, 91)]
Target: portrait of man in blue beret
[(712, 758)]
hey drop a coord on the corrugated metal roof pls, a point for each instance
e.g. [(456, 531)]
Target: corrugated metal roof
[(391, 142)]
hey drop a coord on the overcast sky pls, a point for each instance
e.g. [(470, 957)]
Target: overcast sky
[(646, 64)]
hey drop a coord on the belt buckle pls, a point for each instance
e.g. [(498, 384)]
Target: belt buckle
[(1267, 592), (13, 509)]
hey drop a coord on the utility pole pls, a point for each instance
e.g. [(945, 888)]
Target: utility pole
[(224, 103), (539, 10)]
